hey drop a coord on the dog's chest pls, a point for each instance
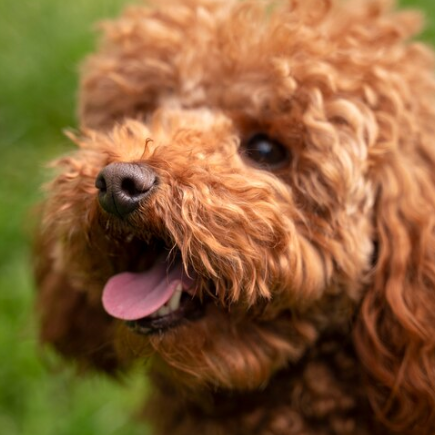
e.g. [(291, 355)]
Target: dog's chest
[(321, 395)]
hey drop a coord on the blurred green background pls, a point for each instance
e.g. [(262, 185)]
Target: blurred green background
[(41, 45)]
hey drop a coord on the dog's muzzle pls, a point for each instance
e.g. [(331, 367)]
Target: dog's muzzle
[(122, 186)]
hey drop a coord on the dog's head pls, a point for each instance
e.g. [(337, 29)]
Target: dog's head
[(249, 178)]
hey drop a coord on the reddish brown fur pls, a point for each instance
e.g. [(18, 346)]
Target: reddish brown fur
[(322, 273)]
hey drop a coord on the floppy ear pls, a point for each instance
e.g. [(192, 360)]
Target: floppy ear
[(69, 320), (395, 329)]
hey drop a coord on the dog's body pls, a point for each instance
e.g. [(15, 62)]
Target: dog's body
[(252, 211)]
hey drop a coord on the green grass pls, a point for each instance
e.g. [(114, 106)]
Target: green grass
[(41, 45)]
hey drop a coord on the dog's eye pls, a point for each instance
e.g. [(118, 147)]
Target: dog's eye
[(265, 151)]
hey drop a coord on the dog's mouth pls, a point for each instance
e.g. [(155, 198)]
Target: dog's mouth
[(156, 299)]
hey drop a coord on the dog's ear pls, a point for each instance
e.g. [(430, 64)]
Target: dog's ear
[(69, 320), (395, 328)]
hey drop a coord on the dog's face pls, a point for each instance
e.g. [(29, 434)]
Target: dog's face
[(221, 205), (255, 264)]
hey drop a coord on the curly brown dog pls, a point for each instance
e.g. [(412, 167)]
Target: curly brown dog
[(251, 210)]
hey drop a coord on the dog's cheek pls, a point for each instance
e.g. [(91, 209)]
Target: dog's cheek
[(244, 236), (70, 320)]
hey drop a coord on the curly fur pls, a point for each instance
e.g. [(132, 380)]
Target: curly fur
[(322, 272)]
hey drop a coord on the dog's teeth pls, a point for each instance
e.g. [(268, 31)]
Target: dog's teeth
[(174, 302), (172, 305), (129, 238), (163, 312)]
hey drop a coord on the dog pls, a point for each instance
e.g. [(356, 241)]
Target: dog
[(251, 211)]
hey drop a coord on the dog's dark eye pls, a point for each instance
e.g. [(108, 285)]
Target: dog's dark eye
[(265, 151)]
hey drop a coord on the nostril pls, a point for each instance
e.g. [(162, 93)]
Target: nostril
[(128, 186), (100, 183), (131, 187)]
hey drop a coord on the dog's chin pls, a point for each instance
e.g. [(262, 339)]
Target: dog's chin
[(211, 347), (214, 351)]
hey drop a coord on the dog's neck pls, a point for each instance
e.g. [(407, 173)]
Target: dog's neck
[(321, 395)]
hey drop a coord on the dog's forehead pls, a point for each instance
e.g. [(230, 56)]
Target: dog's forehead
[(235, 98), (251, 57), (252, 92), (234, 56)]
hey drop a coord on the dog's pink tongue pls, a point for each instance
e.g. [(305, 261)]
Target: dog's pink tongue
[(131, 296)]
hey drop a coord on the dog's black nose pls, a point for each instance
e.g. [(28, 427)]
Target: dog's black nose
[(122, 186)]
